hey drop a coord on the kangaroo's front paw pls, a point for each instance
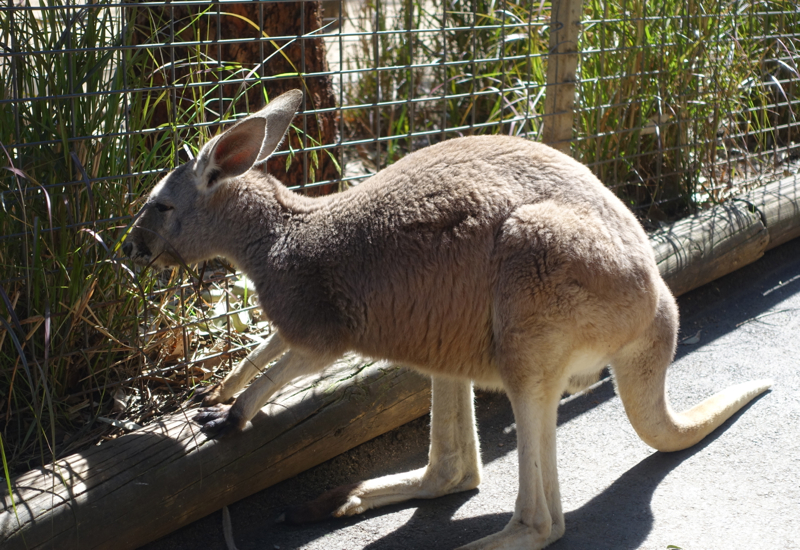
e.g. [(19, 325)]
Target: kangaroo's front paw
[(209, 395), (220, 420)]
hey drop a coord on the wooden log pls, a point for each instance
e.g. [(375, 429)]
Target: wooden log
[(779, 206), (704, 247), (139, 487), (146, 484), (562, 70)]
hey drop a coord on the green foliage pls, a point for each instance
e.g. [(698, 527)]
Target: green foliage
[(77, 110), (671, 92), (59, 213)]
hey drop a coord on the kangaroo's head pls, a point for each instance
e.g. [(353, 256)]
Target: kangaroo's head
[(182, 218)]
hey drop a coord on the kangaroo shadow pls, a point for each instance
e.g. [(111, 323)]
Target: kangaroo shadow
[(621, 517)]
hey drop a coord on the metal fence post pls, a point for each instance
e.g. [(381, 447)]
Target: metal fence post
[(562, 67)]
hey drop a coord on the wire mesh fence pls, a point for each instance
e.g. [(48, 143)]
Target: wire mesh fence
[(676, 105), (682, 106)]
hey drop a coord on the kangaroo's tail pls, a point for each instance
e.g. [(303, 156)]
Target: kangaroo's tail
[(640, 370)]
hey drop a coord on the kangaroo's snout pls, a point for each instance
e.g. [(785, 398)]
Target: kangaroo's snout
[(137, 250)]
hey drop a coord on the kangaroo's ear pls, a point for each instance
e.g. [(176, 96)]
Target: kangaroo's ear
[(248, 142), (278, 115)]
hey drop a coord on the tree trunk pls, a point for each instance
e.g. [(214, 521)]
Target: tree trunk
[(193, 72)]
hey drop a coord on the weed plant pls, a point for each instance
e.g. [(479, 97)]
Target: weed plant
[(64, 309)]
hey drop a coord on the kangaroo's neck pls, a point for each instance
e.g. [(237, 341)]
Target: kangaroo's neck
[(285, 243), (262, 216)]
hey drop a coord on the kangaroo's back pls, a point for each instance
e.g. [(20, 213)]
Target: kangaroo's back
[(486, 176)]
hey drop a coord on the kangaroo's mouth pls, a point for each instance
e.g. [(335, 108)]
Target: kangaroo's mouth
[(140, 254)]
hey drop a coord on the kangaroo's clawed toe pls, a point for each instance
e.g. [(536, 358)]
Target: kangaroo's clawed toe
[(486, 258), (219, 421), (207, 395)]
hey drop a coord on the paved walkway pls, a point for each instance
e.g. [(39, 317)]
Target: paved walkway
[(737, 489)]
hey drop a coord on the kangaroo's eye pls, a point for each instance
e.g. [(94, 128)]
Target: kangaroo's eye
[(162, 207)]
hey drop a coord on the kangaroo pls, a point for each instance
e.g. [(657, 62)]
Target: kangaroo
[(489, 260)]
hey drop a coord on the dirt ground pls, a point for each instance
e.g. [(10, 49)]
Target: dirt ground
[(737, 489)]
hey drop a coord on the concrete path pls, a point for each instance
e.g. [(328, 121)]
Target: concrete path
[(737, 489)]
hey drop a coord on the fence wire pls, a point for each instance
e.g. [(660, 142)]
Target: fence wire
[(679, 105)]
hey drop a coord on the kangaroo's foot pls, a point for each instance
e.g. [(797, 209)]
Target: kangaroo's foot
[(220, 420), (454, 463), (518, 536), (349, 500)]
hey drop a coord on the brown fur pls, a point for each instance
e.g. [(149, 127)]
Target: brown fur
[(491, 259)]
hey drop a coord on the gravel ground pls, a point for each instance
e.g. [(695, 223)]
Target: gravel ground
[(737, 489)]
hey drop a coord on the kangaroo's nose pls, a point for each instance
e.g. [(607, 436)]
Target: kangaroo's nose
[(127, 248)]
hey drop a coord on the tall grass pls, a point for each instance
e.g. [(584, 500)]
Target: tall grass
[(77, 111), (670, 92), (62, 292)]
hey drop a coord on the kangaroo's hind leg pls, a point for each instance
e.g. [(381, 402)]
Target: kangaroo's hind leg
[(453, 465), (538, 519), (640, 371), (539, 296)]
